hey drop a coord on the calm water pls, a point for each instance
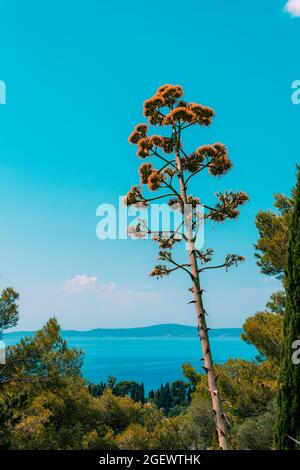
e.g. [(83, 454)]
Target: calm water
[(153, 360)]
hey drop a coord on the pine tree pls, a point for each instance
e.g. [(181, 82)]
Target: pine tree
[(176, 167), (288, 414), (9, 310), (273, 228)]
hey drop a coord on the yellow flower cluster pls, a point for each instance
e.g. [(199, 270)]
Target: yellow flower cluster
[(215, 157), (227, 206), (146, 144), (145, 171), (154, 180), (167, 96)]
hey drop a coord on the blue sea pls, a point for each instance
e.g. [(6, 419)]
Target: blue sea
[(151, 360)]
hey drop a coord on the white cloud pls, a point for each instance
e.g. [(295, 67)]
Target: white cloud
[(90, 293), (107, 287), (293, 7), (80, 283)]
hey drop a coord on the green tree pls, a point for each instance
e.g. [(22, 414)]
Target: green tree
[(123, 388), (44, 402), (277, 302), (135, 437), (196, 425), (264, 329), (273, 236), (256, 432), (142, 393), (111, 382), (9, 309), (172, 399), (96, 390), (176, 168), (119, 412), (288, 415), (44, 359)]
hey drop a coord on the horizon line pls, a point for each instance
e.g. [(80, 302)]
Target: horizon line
[(128, 328)]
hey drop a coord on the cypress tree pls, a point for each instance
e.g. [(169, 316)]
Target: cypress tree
[(288, 412), (136, 392), (142, 393)]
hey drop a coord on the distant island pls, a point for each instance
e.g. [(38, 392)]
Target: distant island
[(152, 331)]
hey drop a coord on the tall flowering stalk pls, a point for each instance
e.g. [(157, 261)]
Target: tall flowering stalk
[(170, 180)]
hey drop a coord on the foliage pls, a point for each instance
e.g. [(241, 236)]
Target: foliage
[(120, 389), (9, 310), (277, 302), (246, 386), (249, 387), (44, 403), (173, 398), (197, 425), (135, 437), (288, 416), (256, 432), (264, 329), (117, 412), (97, 390), (45, 358), (194, 428), (273, 236)]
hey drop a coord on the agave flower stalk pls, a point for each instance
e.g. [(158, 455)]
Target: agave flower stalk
[(170, 181)]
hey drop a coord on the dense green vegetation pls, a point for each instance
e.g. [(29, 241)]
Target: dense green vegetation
[(46, 404), (288, 416), (172, 398), (124, 388)]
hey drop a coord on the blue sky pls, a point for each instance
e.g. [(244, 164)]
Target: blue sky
[(77, 74)]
